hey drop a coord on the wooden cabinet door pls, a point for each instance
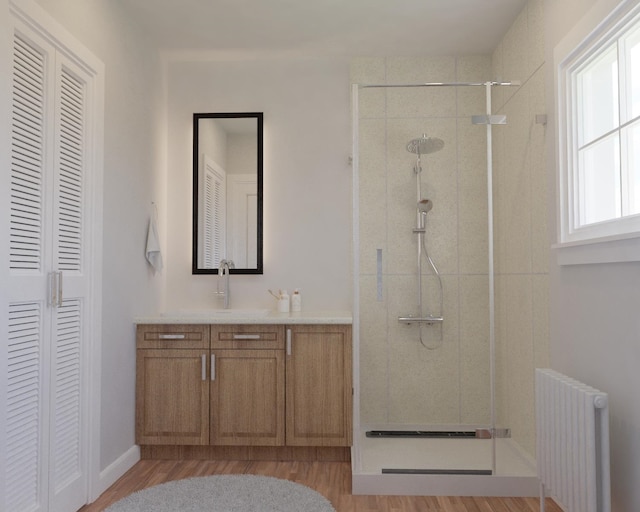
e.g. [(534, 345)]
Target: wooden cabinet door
[(247, 397), (319, 385), (172, 394)]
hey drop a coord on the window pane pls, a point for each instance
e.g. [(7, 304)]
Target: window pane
[(598, 96), (631, 138), (631, 44), (599, 181)]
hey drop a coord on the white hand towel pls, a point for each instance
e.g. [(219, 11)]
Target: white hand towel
[(152, 252)]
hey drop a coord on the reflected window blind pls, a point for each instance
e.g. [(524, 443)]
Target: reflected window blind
[(214, 217)]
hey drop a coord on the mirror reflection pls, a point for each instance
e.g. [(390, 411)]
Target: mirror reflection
[(227, 192)]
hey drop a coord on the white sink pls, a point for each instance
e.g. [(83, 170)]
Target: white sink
[(220, 313)]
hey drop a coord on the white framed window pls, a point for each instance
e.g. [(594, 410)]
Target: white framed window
[(598, 107)]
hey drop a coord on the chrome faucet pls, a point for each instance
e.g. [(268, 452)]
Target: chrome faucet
[(223, 273)]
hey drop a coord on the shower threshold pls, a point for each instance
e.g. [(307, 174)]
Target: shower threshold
[(480, 433)]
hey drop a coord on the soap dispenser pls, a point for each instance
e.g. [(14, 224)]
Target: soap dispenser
[(296, 301)]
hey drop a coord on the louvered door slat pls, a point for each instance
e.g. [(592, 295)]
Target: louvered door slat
[(23, 405), (70, 172), (26, 191), (68, 379), (26, 49), (27, 143), (26, 136), (29, 172), (26, 105), (23, 71), (24, 108), (28, 84)]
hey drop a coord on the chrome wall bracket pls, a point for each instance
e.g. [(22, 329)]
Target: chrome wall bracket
[(485, 119)]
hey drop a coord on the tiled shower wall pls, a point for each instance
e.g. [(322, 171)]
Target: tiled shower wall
[(402, 382)]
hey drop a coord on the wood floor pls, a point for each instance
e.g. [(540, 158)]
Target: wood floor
[(331, 479)]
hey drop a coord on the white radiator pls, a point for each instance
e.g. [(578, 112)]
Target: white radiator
[(572, 422)]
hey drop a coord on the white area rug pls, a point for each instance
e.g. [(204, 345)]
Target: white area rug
[(225, 493)]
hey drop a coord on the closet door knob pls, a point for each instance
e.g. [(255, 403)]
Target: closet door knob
[(55, 288), (59, 302)]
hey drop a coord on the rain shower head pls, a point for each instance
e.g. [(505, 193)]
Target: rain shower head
[(425, 205), (425, 145)]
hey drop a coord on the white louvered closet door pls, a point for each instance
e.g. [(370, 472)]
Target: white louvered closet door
[(46, 379), (68, 481)]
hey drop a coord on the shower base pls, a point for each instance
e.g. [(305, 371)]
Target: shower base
[(453, 466)]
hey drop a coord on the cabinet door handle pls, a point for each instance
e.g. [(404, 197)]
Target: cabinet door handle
[(213, 367), (203, 363), (288, 342), (246, 336), (171, 336)]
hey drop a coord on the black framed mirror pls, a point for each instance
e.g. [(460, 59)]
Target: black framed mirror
[(227, 191)]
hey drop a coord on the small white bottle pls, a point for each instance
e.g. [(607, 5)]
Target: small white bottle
[(296, 301), (283, 302)]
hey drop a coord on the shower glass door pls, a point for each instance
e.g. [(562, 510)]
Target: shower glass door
[(424, 386)]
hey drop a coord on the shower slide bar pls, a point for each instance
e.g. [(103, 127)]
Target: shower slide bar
[(443, 84)]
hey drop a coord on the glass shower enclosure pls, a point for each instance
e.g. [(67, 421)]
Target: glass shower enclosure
[(424, 331)]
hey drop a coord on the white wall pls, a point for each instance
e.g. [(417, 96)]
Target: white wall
[(594, 325), (133, 178), (307, 178)]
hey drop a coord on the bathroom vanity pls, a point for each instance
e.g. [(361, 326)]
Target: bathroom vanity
[(277, 386)]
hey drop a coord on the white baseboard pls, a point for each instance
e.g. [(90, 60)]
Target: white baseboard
[(110, 474), (445, 485)]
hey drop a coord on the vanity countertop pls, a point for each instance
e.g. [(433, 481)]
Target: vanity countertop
[(229, 316)]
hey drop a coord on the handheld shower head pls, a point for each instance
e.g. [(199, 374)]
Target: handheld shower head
[(425, 206)]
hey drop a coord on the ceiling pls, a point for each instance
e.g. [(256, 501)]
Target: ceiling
[(326, 27)]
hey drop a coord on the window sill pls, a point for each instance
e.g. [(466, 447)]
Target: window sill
[(615, 249)]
